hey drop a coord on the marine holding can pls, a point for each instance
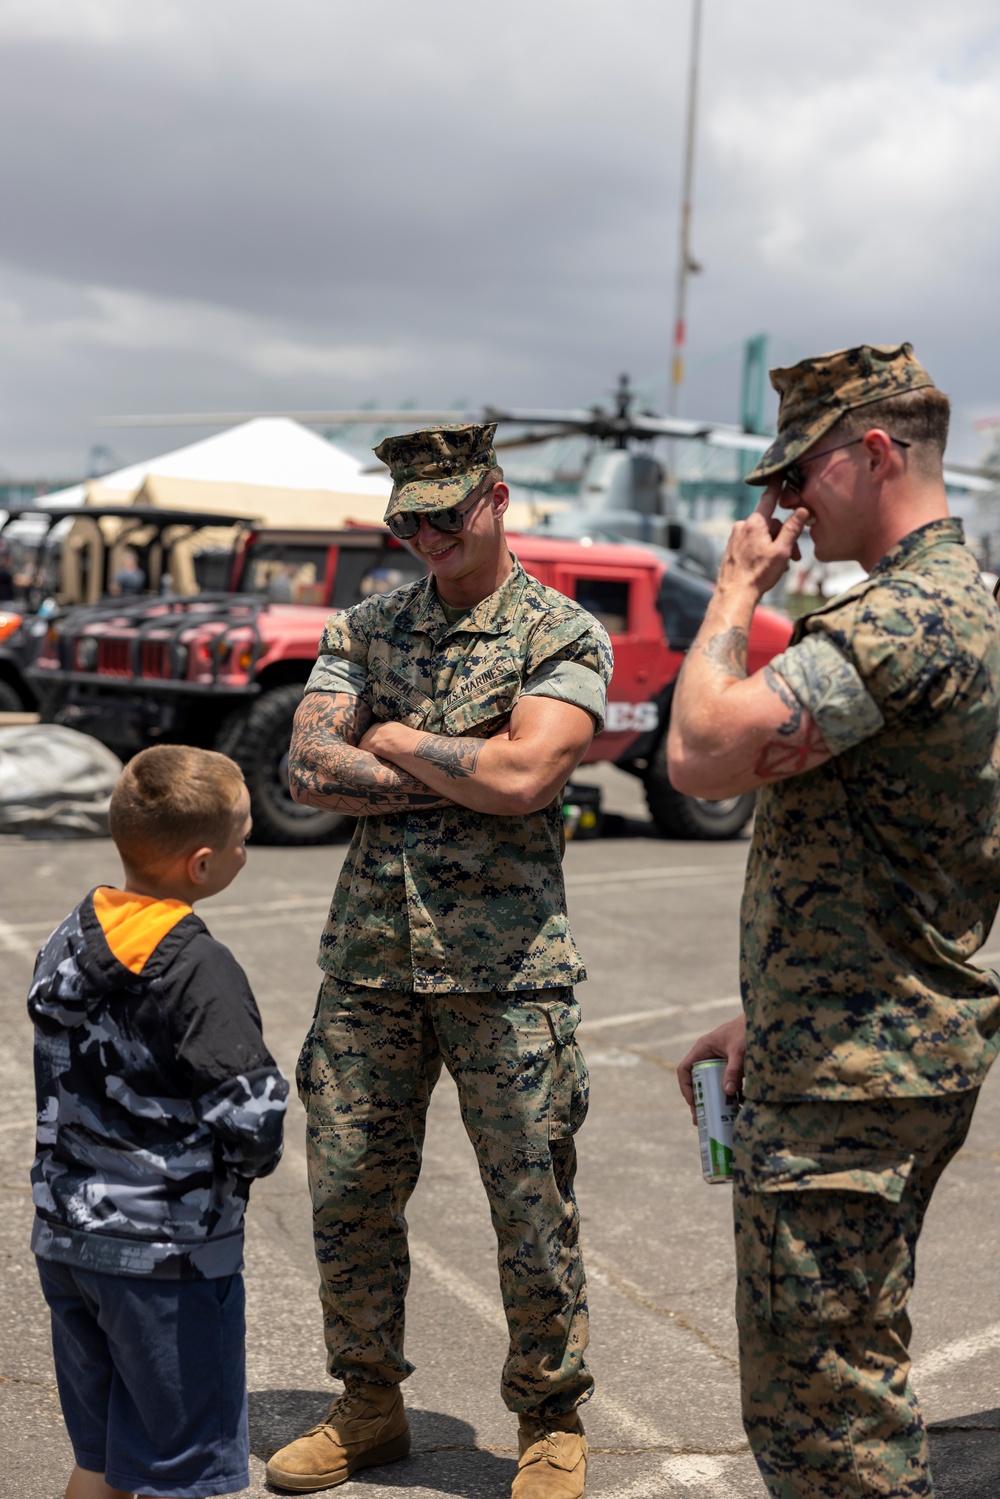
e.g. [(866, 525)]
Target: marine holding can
[(715, 1115), (873, 879)]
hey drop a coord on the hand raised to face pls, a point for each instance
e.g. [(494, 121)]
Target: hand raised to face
[(760, 548)]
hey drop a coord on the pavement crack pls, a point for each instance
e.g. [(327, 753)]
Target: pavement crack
[(650, 1056), (935, 1426), (673, 1449), (632, 1291), (670, 1449), (38, 1384)]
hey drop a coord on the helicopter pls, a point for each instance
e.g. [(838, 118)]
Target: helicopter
[(624, 493), (624, 490)]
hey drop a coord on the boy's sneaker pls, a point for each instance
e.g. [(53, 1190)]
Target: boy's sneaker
[(553, 1458), (366, 1426)]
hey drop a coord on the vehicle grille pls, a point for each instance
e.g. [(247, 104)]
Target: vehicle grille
[(154, 658), (114, 658)]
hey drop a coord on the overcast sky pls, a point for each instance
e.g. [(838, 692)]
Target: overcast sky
[(244, 204)]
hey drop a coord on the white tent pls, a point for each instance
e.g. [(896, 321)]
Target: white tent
[(268, 452), (271, 468)]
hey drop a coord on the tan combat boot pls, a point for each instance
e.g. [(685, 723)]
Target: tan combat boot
[(553, 1458), (366, 1426)]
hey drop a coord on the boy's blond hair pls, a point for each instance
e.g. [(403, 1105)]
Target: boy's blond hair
[(172, 799)]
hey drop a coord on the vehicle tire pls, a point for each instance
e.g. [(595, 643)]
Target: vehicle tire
[(680, 816), (10, 701), (257, 739)]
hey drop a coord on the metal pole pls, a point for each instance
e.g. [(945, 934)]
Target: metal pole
[(685, 263)]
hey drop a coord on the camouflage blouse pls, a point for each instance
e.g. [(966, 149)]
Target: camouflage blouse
[(448, 900), (875, 878)]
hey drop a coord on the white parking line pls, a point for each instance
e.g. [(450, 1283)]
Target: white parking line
[(960, 1351), (646, 1017), (488, 1309), (649, 1487), (689, 882), (308, 905), (659, 872), (12, 941)]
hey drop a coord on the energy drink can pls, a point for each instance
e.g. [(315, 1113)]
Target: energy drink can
[(716, 1115)]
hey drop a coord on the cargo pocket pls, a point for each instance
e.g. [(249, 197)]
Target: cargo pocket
[(569, 1096), (826, 1241), (303, 1067)]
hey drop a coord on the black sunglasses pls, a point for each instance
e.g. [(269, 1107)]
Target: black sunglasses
[(794, 479), (405, 524)]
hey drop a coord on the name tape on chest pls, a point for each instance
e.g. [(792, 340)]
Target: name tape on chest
[(389, 678), (492, 676)]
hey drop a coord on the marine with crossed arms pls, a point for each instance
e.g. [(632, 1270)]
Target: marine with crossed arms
[(873, 878), (447, 717)]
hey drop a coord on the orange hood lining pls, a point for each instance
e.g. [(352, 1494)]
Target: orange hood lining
[(135, 925)]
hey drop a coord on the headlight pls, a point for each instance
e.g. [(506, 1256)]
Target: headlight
[(86, 653)]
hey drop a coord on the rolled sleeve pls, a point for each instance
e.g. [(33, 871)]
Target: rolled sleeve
[(341, 664), (334, 674), (570, 682), (831, 690)]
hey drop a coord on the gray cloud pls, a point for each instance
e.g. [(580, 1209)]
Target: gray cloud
[(228, 206)]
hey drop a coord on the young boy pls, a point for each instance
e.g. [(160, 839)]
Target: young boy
[(157, 1103)]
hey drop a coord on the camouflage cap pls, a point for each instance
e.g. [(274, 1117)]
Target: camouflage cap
[(436, 467), (816, 393)]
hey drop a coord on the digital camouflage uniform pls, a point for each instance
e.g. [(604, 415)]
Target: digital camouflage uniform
[(872, 882), (448, 940)]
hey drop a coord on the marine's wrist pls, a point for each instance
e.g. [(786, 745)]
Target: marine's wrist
[(738, 596), (389, 739)]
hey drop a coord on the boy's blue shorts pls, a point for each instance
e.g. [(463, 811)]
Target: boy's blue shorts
[(152, 1378)]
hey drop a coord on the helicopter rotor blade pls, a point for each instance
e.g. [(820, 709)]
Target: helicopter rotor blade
[(529, 439), (573, 418), (975, 471), (307, 418), (532, 439)]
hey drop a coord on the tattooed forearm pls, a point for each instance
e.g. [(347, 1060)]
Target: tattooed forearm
[(727, 652), (456, 757), (778, 686), (328, 771)]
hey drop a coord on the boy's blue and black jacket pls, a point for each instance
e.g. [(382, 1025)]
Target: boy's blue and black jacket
[(157, 1098)]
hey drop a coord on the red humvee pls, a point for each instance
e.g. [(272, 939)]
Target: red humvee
[(226, 670)]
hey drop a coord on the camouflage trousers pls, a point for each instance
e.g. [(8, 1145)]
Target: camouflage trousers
[(829, 1201), (369, 1063)]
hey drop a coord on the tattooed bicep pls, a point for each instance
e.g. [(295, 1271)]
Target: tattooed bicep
[(780, 688), (798, 746)]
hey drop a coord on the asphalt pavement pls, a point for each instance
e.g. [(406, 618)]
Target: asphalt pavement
[(657, 922)]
